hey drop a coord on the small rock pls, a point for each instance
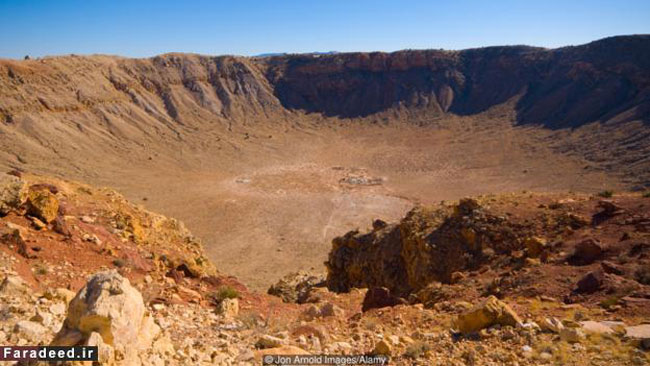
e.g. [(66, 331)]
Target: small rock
[(329, 309), (545, 356), (92, 239), (382, 348), (594, 327), (535, 246), (533, 262), (163, 345), (572, 335), (59, 226), (13, 285), (296, 287), (528, 326), (13, 192), (490, 312), (457, 277), (340, 347), (58, 308), (591, 282), (611, 268), (30, 330), (43, 318), (106, 353), (553, 325), (380, 297), (43, 205), (229, 308), (326, 310), (639, 334), (38, 224), (609, 208), (268, 341), (313, 332), (64, 294)]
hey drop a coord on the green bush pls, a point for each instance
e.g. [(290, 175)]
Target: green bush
[(606, 193), (225, 292)]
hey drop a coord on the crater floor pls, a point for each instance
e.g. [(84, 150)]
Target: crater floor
[(274, 205)]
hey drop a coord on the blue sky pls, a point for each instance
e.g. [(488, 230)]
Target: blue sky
[(247, 27)]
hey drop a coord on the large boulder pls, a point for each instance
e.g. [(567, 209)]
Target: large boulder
[(429, 244), (13, 193), (488, 313), (591, 282), (109, 307), (587, 252), (43, 204)]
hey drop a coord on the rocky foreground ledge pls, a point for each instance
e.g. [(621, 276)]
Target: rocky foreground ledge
[(523, 279)]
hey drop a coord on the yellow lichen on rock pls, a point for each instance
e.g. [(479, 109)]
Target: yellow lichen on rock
[(42, 204)]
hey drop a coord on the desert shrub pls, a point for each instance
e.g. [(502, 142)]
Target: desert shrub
[(41, 270), (119, 263), (646, 195), (416, 349), (609, 302), (371, 324), (251, 320), (225, 292), (606, 193)]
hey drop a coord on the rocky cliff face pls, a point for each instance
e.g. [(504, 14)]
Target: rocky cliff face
[(428, 245), (181, 88), (559, 88), (182, 107), (563, 87)]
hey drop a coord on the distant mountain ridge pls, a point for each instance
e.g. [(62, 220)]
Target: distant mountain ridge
[(277, 54)]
